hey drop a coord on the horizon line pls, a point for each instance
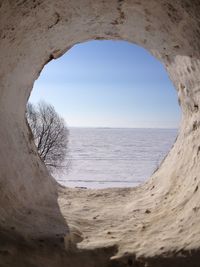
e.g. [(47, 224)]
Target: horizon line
[(122, 127)]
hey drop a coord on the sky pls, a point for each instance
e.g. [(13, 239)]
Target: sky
[(109, 84)]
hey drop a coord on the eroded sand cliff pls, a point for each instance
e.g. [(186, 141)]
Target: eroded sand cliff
[(42, 224)]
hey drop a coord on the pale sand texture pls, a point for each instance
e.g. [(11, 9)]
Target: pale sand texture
[(155, 225)]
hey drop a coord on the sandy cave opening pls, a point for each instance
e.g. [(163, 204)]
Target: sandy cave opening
[(169, 233), (119, 64)]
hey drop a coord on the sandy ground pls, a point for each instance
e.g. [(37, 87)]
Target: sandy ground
[(95, 221)]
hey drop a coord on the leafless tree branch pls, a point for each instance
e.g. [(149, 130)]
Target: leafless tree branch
[(50, 135)]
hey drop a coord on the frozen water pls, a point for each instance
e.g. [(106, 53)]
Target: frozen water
[(115, 157)]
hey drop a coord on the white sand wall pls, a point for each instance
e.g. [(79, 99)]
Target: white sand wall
[(154, 225)]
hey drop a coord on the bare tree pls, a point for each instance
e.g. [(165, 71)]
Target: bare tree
[(50, 134)]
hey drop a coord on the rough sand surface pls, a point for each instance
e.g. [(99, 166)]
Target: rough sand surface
[(156, 225)]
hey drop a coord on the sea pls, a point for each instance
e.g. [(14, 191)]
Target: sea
[(114, 157)]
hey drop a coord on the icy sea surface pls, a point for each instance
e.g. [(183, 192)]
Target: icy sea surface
[(114, 157)]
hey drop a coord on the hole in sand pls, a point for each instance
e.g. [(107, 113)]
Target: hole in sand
[(121, 110)]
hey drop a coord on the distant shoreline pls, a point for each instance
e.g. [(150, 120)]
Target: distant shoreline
[(108, 128)]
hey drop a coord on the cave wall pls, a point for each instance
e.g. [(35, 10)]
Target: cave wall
[(34, 32)]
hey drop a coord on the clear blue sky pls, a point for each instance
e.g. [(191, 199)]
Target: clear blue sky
[(109, 84)]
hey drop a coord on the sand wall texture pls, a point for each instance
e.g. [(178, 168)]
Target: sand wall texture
[(41, 224)]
